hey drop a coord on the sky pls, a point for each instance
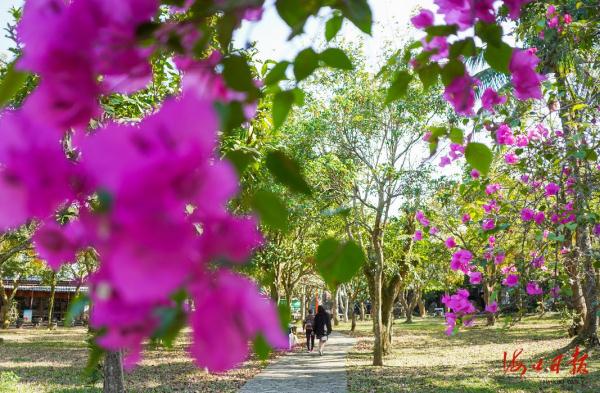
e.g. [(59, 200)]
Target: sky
[(391, 16)]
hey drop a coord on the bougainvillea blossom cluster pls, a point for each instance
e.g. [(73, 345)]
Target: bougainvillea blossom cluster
[(151, 197)]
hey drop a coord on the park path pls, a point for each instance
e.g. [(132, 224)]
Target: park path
[(303, 372)]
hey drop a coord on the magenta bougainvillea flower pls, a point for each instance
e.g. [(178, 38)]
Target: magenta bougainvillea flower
[(493, 188), (438, 46), (460, 305), (133, 184), (221, 291), (499, 258), (514, 7), (551, 189), (466, 218), (461, 260), (511, 158), (488, 224), (533, 288), (450, 242), (475, 277), (418, 235), (423, 19), (420, 216), (568, 19), (527, 214), (491, 98), (464, 13), (460, 94), (511, 280), (525, 80), (475, 174), (492, 308), (539, 218), (538, 261), (504, 135), (433, 231)]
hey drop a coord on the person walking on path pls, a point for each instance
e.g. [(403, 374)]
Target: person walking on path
[(307, 325), (322, 327)]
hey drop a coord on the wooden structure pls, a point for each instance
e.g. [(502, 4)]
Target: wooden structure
[(33, 294)]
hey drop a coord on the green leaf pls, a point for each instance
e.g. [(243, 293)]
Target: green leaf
[(429, 75), (591, 155), (336, 58), (171, 321), (441, 30), (237, 74), (231, 114), (277, 73), (271, 209), (456, 135), (282, 103), (306, 62), (287, 172), (294, 13), (12, 82), (337, 262), (464, 47), (479, 156), (261, 347), (451, 70), (359, 13), (498, 57), (399, 86), (333, 26), (489, 32), (240, 159), (225, 27), (76, 307)]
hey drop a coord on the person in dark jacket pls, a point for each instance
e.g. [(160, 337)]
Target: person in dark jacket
[(322, 327), (308, 325)]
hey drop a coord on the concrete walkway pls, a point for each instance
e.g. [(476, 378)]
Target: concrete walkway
[(306, 372)]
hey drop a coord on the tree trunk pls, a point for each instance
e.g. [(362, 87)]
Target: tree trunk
[(389, 295), (362, 311), (376, 312), (113, 373), (51, 300), (303, 303), (421, 304), (335, 296), (487, 294), (583, 248), (345, 301), (4, 306)]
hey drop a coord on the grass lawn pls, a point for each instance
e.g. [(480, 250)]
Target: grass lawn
[(423, 359), (36, 361)]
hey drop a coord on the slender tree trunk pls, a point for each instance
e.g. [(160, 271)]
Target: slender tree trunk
[(5, 306), (303, 303), (335, 296), (487, 294), (421, 304), (362, 311), (376, 311), (113, 373), (51, 300), (345, 301), (388, 299)]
